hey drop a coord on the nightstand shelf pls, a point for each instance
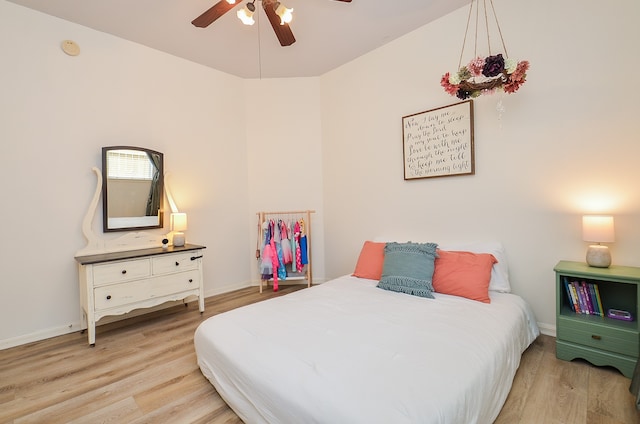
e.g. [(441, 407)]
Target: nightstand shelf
[(599, 339)]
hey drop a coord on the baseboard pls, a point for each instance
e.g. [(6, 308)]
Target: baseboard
[(547, 329), (225, 289), (39, 335), (76, 326)]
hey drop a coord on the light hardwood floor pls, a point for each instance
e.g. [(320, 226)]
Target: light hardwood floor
[(143, 370)]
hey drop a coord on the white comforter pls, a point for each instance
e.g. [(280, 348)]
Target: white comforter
[(348, 352)]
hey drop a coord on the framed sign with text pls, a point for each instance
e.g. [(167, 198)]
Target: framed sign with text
[(439, 142)]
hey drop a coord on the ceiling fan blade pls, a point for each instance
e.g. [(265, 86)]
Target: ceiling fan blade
[(346, 1), (283, 32), (213, 13)]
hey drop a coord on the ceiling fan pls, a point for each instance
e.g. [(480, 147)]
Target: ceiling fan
[(272, 8)]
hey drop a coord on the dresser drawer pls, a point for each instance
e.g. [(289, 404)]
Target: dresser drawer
[(167, 264), (136, 291), (601, 337), (115, 272)]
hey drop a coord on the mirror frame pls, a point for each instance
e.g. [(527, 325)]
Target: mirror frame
[(105, 200)]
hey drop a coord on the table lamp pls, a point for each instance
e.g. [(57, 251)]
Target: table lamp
[(598, 229), (178, 225)]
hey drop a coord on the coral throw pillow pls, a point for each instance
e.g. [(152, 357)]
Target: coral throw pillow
[(464, 274), (370, 261)]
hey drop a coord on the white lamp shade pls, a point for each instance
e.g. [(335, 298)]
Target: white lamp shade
[(286, 14), (598, 229), (178, 221), (246, 16)]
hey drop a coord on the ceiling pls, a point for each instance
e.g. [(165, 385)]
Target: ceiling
[(328, 33)]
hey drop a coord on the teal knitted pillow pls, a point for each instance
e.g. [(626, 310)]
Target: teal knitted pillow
[(408, 268)]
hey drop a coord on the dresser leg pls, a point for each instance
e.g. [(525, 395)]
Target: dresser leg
[(201, 302), (92, 331)]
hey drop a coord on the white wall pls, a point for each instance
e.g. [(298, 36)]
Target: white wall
[(57, 111), (284, 157), (567, 143)]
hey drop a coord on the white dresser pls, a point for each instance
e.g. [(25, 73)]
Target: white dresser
[(119, 282)]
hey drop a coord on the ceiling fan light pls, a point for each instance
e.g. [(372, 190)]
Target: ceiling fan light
[(286, 14), (231, 1), (246, 15)]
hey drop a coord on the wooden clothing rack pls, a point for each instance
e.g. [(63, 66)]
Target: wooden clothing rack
[(305, 215)]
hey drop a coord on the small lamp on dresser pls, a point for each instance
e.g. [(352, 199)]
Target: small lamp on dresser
[(178, 225), (598, 229)]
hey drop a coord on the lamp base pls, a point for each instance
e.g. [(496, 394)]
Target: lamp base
[(178, 239), (598, 256)]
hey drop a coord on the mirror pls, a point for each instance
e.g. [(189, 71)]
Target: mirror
[(132, 188)]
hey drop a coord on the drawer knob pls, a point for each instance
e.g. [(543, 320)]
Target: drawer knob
[(108, 297), (596, 337), (124, 271), (177, 263), (191, 280)]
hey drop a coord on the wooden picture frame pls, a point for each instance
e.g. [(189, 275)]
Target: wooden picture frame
[(439, 142)]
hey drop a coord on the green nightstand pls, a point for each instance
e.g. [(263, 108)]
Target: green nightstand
[(599, 340)]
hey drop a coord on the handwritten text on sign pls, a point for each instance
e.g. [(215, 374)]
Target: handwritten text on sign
[(439, 142)]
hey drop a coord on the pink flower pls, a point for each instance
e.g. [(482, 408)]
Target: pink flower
[(521, 71), (448, 87), (512, 86), (475, 66)]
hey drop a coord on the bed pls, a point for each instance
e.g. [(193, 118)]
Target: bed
[(347, 351)]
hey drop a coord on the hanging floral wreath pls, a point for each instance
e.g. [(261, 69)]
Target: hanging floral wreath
[(485, 76)]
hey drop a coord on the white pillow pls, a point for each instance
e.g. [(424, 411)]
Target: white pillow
[(499, 273)]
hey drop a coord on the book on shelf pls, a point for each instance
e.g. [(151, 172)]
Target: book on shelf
[(583, 297), (587, 299), (580, 296), (594, 301), (598, 300), (572, 296)]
